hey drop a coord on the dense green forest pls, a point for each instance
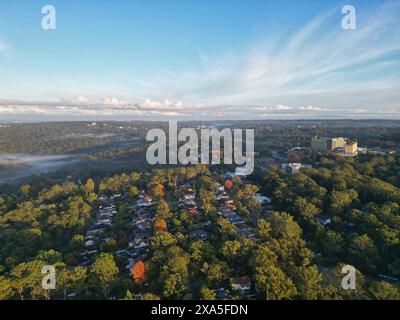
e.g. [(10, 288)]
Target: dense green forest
[(97, 149), (66, 137), (195, 233), (292, 256)]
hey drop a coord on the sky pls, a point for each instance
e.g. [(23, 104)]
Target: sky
[(192, 59)]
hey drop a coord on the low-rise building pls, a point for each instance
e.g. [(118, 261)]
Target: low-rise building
[(240, 284), (198, 235), (262, 199), (294, 167), (235, 218), (144, 201), (323, 220)]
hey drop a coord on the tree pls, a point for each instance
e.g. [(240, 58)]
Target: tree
[(6, 288), (383, 291), (306, 208), (137, 272), (388, 237), (341, 200), (394, 267), (231, 250), (273, 282), (133, 191), (128, 295), (207, 294), (89, 186), (200, 250), (158, 190), (247, 192), (91, 197), (135, 176), (148, 296), (177, 262), (216, 273), (160, 225), (71, 279), (263, 229), (2, 204), (78, 278), (205, 182), (25, 190), (332, 245), (105, 272), (162, 240), (226, 227), (207, 198), (174, 286), (77, 242), (27, 275), (283, 226), (162, 210), (228, 184), (363, 253), (308, 282), (268, 277), (63, 280)]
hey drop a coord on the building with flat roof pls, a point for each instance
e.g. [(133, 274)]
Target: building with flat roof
[(334, 143), (319, 144), (294, 167), (350, 147), (340, 145)]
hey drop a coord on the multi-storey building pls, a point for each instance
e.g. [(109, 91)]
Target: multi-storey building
[(350, 147), (334, 143), (294, 167), (339, 145), (318, 143)]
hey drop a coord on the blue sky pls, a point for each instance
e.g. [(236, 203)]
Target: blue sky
[(196, 59)]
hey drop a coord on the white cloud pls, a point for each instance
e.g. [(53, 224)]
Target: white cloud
[(79, 100), (175, 109), (167, 104), (112, 101), (320, 58)]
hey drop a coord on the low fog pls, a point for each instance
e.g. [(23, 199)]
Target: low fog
[(15, 166)]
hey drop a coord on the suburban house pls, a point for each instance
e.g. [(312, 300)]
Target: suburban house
[(262, 199), (240, 284), (323, 220), (198, 235)]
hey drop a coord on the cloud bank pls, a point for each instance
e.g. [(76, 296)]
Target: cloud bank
[(319, 60), (167, 109)]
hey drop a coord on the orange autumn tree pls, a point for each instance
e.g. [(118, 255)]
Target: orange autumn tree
[(137, 272), (158, 190), (228, 184), (160, 225)]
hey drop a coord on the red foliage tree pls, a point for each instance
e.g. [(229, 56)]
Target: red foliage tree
[(160, 225), (158, 190), (137, 272), (228, 184)]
